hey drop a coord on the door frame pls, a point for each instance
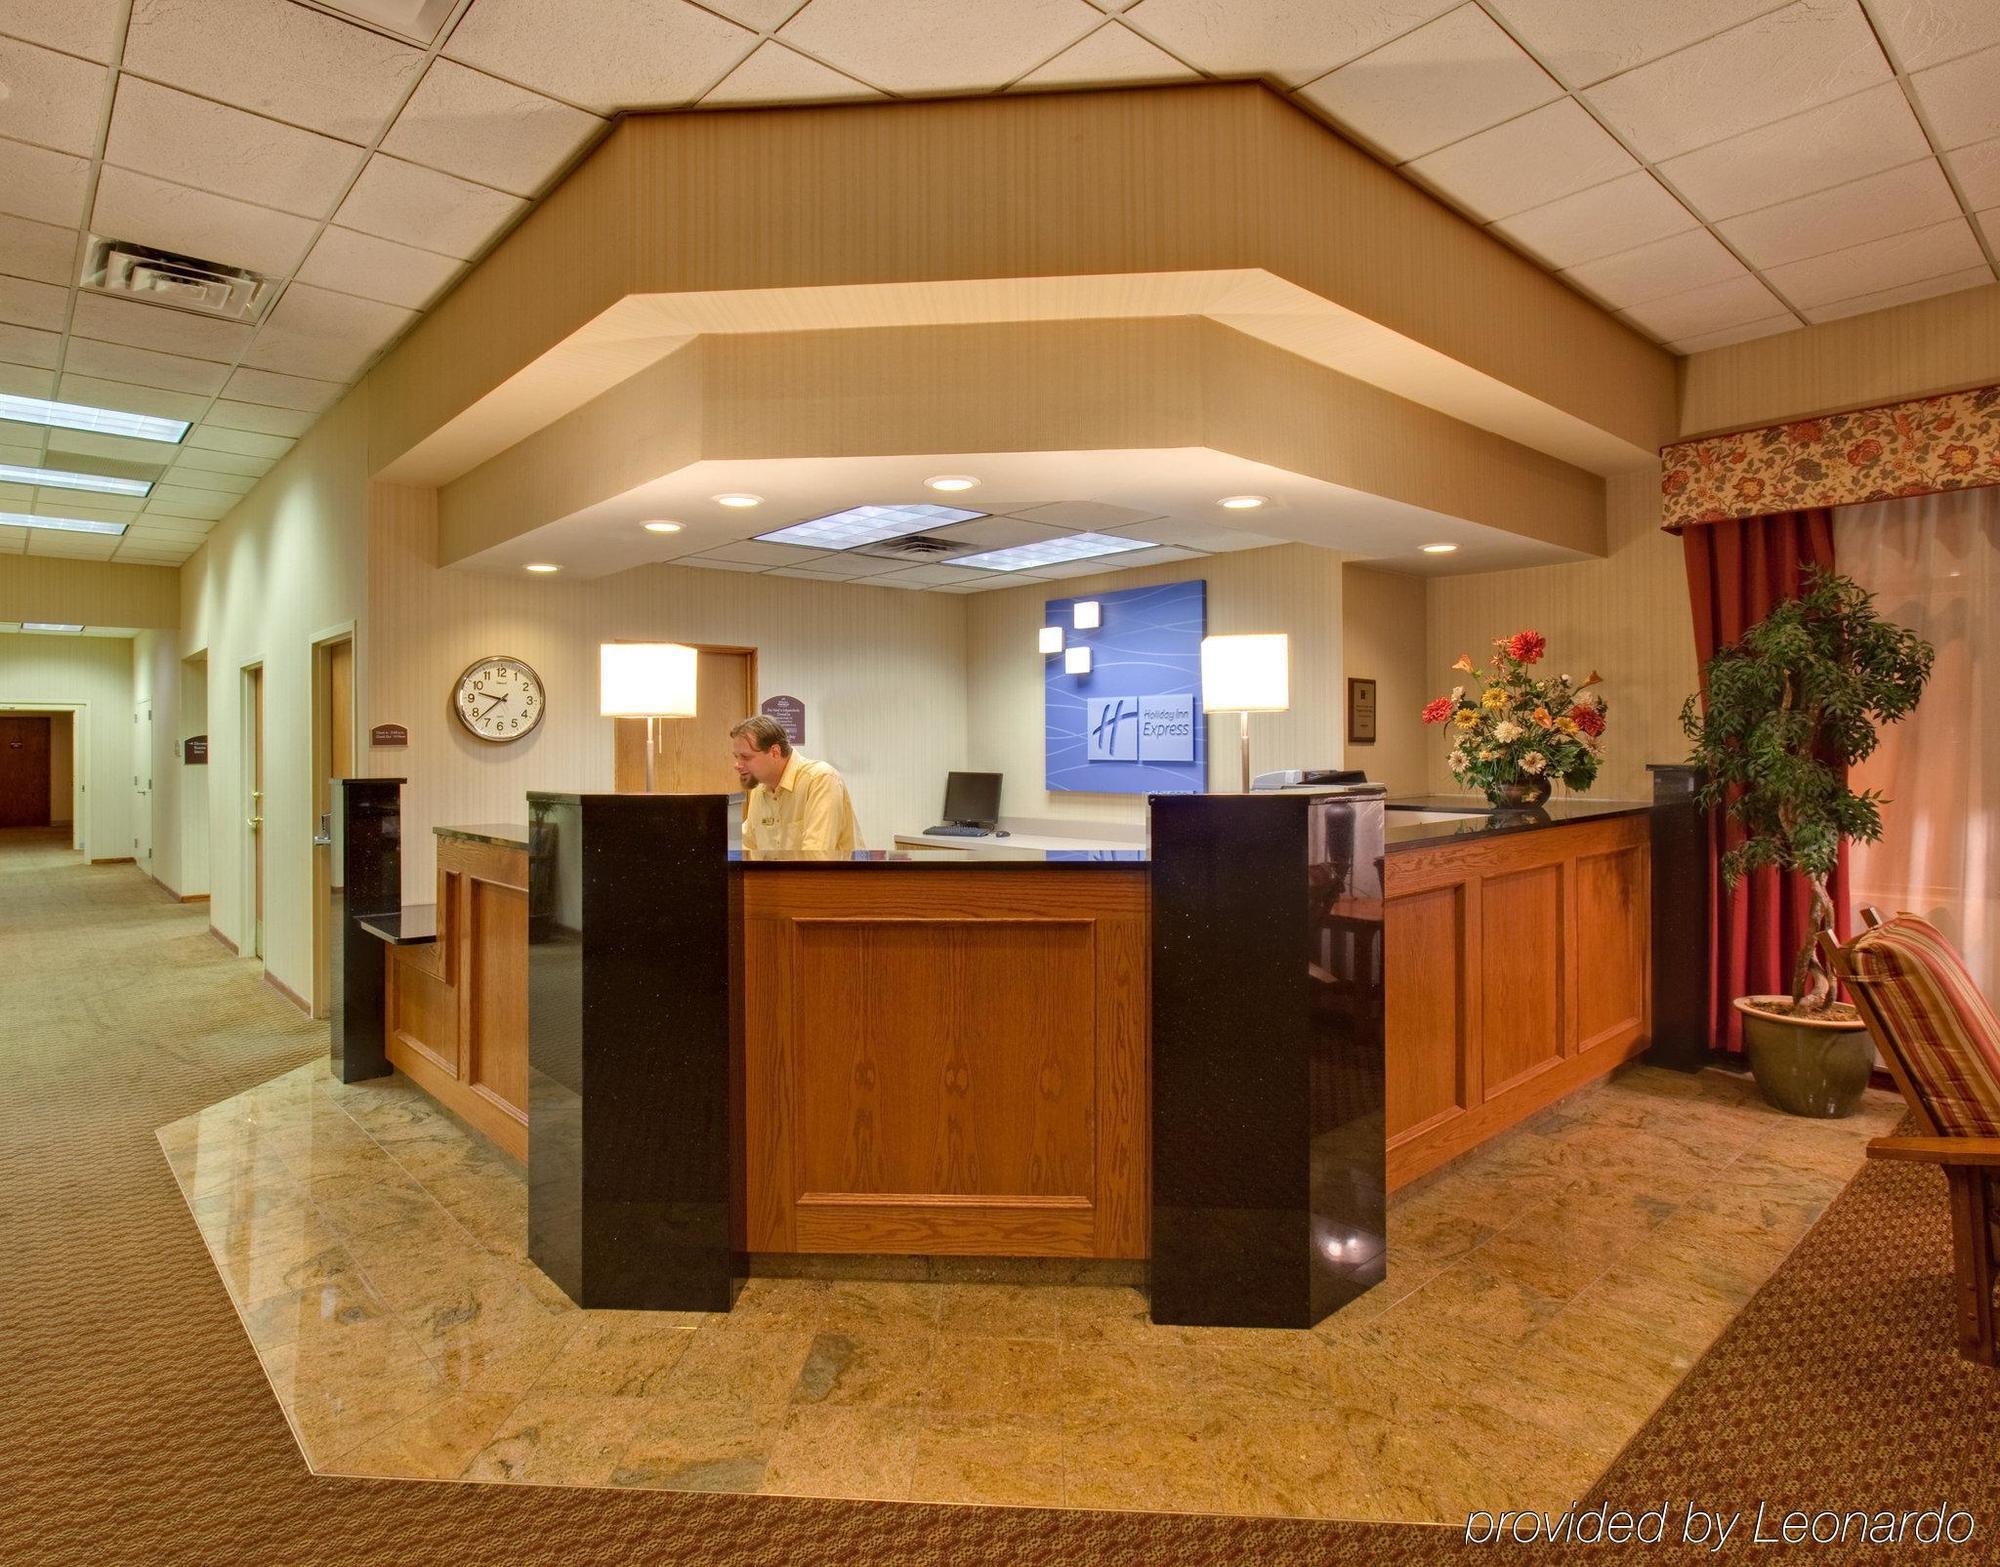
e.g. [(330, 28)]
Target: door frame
[(82, 829), (249, 799), (318, 880)]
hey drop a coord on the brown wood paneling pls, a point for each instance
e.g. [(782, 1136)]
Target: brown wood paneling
[(1613, 945), (1427, 1009), (24, 770), (494, 994), (1523, 978)]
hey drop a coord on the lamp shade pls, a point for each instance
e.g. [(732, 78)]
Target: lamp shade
[(1246, 674), (645, 680)]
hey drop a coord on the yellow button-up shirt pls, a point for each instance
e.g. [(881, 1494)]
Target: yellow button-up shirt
[(809, 810)]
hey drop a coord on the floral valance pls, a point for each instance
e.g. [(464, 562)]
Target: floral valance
[(1871, 454)]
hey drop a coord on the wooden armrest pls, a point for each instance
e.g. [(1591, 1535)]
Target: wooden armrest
[(1978, 1152)]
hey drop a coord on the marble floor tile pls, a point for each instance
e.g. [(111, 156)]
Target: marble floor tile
[(435, 1444), (975, 1375), (622, 1354), (855, 1451), (882, 1371), (993, 1460), (879, 1308), (558, 1439), (1017, 1311), (681, 1445)]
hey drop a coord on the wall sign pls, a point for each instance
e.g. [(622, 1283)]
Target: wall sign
[(194, 751), (1133, 723), (389, 734), (1360, 712), (790, 713)]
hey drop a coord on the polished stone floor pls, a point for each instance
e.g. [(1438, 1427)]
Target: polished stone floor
[(1544, 1294)]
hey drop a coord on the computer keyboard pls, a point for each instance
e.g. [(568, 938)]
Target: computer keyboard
[(950, 830)]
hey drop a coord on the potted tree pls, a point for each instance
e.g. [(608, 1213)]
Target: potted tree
[(1791, 708)]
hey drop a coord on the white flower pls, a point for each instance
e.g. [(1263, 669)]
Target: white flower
[(1457, 695), (1534, 762), (1506, 731)]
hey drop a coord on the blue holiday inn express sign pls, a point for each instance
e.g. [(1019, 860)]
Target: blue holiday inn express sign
[(1132, 724)]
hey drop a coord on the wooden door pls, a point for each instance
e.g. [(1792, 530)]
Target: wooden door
[(142, 784), (692, 755), (24, 770), (253, 680)]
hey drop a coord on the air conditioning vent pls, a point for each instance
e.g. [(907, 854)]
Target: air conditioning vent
[(917, 546), (160, 277)]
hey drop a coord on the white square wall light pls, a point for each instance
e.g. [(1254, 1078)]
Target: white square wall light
[(1087, 614), (1076, 661), (1052, 639)]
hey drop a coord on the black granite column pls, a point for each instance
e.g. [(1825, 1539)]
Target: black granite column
[(1680, 921), (632, 1065), (1268, 1151), (367, 823)]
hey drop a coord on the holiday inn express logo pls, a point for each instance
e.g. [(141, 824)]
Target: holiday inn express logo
[(1139, 729)]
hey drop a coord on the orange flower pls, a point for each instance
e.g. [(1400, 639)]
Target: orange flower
[(1749, 488), (1864, 452), (1465, 664), (1959, 458), (1541, 716)]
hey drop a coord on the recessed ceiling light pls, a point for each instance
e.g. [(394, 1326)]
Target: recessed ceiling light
[(1241, 502), (81, 416), (21, 519), (859, 525), (542, 566), (952, 481), (735, 499), (51, 625), (64, 479), (1439, 549), (1050, 552), (662, 527)]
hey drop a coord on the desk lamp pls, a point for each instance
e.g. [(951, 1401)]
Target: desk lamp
[(1245, 675), (649, 680)]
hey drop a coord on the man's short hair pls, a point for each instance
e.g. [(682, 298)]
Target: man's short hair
[(763, 731)]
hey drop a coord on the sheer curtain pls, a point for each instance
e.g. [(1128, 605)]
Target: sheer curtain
[(1934, 563)]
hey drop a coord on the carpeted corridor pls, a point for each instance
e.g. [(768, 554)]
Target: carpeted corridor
[(136, 1425)]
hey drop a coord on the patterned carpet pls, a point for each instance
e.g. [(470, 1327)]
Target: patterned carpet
[(136, 1425)]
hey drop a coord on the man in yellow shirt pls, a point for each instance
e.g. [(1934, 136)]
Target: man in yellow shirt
[(795, 803)]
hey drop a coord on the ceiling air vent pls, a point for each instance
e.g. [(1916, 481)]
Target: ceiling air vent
[(159, 277), (917, 546)]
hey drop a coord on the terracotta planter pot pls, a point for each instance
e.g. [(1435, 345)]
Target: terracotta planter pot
[(1529, 791), (1806, 1066)]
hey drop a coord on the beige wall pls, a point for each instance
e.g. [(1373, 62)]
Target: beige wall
[(1626, 617), (1292, 588), (93, 674), (156, 677), (1383, 619), (62, 769), (89, 592), (882, 674)]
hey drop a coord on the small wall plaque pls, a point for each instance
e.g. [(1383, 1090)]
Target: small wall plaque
[(790, 713), (389, 734), (194, 751), (1360, 712)]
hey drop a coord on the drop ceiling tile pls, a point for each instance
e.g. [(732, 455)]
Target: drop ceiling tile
[(173, 136), (1666, 266), (20, 345), (1977, 170), (152, 456), (208, 479), (481, 128), (283, 391), (1880, 264), (801, 573), (380, 269), (1826, 146), (316, 332), (1584, 41), (421, 207), (1923, 33), (1090, 516), (18, 456), (942, 46), (40, 183), (71, 504), (144, 367), (223, 462), (1962, 100), (1443, 82), (1708, 309), (762, 15), (612, 55), (926, 577), (1617, 215), (37, 250), (167, 216), (85, 27), (1209, 538), (1989, 222), (52, 100), (256, 416), (1162, 556), (1291, 41), (706, 563), (156, 326), (1748, 76), (1736, 334), (1541, 156), (285, 61), (13, 541), (71, 546), (1927, 288), (753, 552), (133, 399), (1892, 202), (237, 443), (23, 303), (775, 74), (169, 500), (1111, 54)]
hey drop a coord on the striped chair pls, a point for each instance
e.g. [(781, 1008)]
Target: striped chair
[(1941, 1040)]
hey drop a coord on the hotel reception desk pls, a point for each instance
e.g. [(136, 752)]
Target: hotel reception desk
[(1217, 1055)]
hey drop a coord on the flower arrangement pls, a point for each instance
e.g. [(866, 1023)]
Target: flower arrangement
[(1516, 733)]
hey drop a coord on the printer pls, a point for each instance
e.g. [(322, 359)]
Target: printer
[(1308, 778)]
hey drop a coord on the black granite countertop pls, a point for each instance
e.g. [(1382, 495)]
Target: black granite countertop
[(1489, 823), (509, 835), (938, 859), (411, 926)]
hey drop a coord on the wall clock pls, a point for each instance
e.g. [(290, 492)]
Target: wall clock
[(498, 699)]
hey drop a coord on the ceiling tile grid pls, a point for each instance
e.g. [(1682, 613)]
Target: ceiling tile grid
[(1713, 170)]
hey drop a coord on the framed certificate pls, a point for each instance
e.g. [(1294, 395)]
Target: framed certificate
[(1360, 712)]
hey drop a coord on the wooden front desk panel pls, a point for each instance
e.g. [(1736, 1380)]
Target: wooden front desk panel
[(458, 1007), (1517, 968), (943, 1061)]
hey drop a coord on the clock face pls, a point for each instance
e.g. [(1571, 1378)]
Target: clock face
[(499, 699)]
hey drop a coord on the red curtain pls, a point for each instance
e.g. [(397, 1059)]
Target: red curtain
[(1738, 572)]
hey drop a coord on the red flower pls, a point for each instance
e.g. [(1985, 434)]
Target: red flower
[(1864, 451), (1675, 481), (1588, 719), (1749, 488), (1527, 646), (1437, 712), (1806, 432), (1960, 458)]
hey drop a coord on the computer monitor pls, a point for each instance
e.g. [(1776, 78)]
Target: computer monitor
[(972, 799)]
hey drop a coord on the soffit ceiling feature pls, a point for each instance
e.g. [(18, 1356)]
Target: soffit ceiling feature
[(1712, 170)]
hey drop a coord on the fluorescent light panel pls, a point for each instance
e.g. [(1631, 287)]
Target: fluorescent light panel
[(858, 525), (49, 625), (64, 479), (21, 519), (81, 416), (1052, 552)]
